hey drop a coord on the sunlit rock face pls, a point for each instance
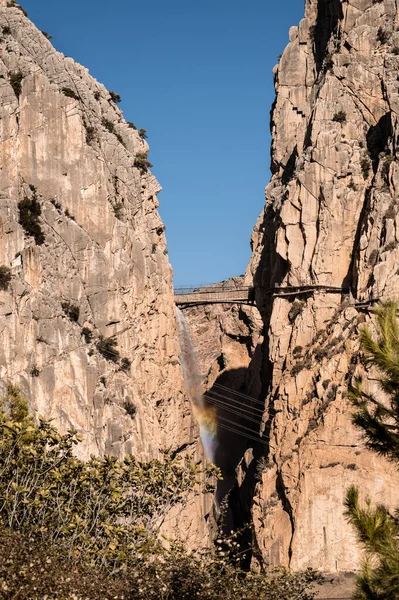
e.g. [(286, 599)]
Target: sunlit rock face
[(64, 143), (331, 220)]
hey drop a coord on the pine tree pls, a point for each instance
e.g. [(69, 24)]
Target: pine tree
[(377, 529)]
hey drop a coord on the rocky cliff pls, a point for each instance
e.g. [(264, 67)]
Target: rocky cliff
[(87, 322), (325, 248)]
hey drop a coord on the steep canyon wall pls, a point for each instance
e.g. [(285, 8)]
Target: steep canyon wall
[(331, 220)]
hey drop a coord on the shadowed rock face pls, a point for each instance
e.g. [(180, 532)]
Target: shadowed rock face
[(64, 143), (331, 219)]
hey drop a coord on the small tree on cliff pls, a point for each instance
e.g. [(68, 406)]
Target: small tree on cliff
[(377, 529)]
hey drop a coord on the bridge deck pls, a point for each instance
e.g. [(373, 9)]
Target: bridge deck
[(245, 295)]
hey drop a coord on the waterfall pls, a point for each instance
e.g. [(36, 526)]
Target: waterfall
[(205, 415)]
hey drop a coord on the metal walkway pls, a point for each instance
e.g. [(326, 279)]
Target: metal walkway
[(191, 296)]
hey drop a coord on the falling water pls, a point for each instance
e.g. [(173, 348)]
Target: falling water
[(205, 415)]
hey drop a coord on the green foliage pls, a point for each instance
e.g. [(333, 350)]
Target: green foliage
[(102, 511), (130, 408), (34, 371), (126, 363), (382, 35), (56, 204), (115, 97), (378, 531), (69, 93), (365, 166), (118, 210), (87, 334), (376, 528), (13, 4), (74, 529), (90, 134), (29, 213), (109, 126), (16, 82), (106, 347), (339, 117), (71, 310), (36, 571), (47, 35), (5, 277), (141, 162), (380, 420), (295, 310)]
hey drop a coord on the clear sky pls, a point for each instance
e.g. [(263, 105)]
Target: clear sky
[(197, 74)]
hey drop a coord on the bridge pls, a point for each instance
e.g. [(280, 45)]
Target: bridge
[(218, 294)]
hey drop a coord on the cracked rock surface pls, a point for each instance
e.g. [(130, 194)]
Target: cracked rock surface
[(331, 220), (65, 146)]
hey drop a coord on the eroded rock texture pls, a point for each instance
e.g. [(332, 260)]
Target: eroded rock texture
[(331, 220), (98, 269)]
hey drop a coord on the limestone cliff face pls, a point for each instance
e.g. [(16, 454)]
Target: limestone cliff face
[(65, 146), (331, 220)]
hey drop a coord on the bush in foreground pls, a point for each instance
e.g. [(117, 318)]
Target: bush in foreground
[(91, 530)]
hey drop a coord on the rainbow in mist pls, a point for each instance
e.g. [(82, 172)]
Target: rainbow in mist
[(206, 416)]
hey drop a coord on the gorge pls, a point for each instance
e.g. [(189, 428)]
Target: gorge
[(88, 323)]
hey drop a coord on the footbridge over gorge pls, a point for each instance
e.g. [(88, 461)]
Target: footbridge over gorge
[(236, 294)]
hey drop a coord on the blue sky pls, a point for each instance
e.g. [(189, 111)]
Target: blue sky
[(198, 76)]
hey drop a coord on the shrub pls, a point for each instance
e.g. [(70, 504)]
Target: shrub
[(87, 334), (141, 161), (34, 371), (47, 35), (132, 125), (69, 93), (106, 347), (16, 82), (13, 4), (126, 363), (295, 310), (373, 258), (5, 277), (339, 117), (391, 212), (365, 166), (71, 310), (352, 185), (320, 353), (130, 408), (298, 368), (102, 512), (382, 35), (297, 351), (29, 213), (90, 134), (143, 134), (118, 208), (56, 204), (115, 97), (109, 126), (68, 214)]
